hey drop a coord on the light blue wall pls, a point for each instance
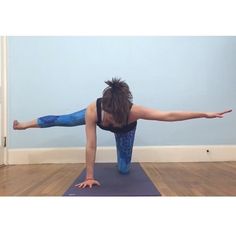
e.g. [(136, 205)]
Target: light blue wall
[(57, 75)]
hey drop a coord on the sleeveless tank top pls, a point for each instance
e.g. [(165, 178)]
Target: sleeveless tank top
[(124, 129)]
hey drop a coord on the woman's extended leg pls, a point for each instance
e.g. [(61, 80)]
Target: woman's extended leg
[(69, 120), (124, 147)]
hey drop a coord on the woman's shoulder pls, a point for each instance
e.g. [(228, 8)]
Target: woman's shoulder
[(136, 108), (92, 111), (134, 111), (92, 105), (137, 111)]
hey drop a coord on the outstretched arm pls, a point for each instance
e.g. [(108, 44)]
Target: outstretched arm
[(140, 112)]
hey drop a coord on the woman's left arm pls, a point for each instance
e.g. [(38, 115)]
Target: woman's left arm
[(139, 112)]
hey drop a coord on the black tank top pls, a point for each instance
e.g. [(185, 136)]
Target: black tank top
[(123, 129)]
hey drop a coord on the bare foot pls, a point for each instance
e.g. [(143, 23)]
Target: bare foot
[(17, 125)]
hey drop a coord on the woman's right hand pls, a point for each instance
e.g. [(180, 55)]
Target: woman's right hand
[(88, 183)]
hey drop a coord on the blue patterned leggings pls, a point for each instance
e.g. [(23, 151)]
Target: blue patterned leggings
[(124, 141)]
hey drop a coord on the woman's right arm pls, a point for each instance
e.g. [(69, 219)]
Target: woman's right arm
[(91, 146)]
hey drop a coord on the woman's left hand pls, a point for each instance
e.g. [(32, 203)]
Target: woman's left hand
[(217, 114)]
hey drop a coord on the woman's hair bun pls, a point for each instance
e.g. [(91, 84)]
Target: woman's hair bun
[(115, 83)]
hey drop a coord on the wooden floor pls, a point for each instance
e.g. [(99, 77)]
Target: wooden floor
[(171, 179)]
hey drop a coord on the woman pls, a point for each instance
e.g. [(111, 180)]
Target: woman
[(114, 112)]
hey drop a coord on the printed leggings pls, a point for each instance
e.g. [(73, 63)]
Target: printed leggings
[(124, 141)]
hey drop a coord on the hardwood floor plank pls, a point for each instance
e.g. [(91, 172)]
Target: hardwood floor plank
[(193, 179), (38, 180)]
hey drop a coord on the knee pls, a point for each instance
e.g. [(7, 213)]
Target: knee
[(47, 121), (123, 169)]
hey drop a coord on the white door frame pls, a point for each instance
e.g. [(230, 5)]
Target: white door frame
[(3, 55)]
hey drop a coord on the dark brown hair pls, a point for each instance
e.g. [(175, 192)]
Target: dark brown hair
[(117, 100)]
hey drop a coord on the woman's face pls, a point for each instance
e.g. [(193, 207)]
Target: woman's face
[(110, 119)]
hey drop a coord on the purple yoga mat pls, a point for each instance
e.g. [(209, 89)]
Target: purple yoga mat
[(136, 183)]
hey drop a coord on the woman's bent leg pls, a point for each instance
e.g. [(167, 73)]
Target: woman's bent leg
[(124, 147)]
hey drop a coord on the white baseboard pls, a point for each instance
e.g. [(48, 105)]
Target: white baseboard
[(140, 154)]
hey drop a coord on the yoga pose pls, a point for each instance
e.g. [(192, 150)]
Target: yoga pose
[(114, 112)]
